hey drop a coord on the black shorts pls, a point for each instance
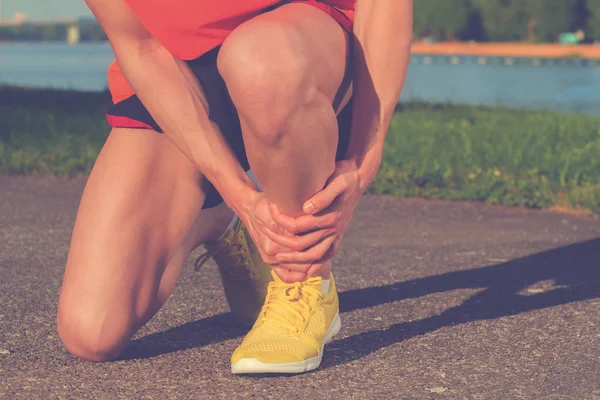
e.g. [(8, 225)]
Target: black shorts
[(131, 113)]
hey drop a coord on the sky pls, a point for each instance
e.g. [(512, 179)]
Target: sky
[(45, 9)]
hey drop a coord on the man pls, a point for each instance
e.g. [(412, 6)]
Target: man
[(233, 84)]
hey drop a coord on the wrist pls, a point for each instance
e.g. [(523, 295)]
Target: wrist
[(240, 201), (238, 194), (367, 171), (365, 178)]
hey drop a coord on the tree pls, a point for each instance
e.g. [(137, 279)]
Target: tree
[(550, 18), (91, 31), (580, 14), (49, 32), (503, 20), (593, 20), (442, 19)]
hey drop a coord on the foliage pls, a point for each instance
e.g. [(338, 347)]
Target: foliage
[(89, 31), (442, 19), (506, 20)]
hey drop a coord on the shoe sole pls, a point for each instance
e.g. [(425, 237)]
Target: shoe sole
[(255, 366)]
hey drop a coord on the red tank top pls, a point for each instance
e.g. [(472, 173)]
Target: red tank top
[(190, 28)]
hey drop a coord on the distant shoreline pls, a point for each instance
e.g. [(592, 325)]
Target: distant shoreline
[(497, 49), (37, 42), (544, 50)]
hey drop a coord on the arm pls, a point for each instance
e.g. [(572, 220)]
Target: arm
[(173, 97), (383, 35)]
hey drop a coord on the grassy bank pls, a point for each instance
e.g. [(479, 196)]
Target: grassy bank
[(524, 158), (51, 132)]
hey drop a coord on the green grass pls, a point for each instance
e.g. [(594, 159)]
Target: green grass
[(515, 158), (51, 132)]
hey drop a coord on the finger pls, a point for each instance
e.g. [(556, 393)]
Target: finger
[(308, 223), (288, 276), (298, 242), (314, 269), (294, 267), (305, 223), (271, 248), (282, 219), (274, 263), (315, 253), (263, 215), (326, 197)]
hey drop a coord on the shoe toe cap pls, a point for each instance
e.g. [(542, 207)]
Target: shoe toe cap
[(268, 357)]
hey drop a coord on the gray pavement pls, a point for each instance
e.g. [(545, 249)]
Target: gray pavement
[(439, 300)]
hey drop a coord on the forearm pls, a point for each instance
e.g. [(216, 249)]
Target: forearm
[(173, 97), (383, 34)]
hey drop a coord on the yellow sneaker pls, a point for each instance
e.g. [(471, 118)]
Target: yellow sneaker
[(295, 323), (244, 274)]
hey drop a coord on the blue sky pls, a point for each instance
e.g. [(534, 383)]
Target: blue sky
[(45, 9)]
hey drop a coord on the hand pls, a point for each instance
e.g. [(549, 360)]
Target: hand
[(315, 237), (256, 215)]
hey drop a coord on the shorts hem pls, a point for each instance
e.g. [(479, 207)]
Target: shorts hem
[(117, 121)]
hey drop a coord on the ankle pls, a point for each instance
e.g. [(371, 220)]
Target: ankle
[(325, 271)]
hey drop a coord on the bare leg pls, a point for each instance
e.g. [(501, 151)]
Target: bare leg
[(283, 70), (134, 229)]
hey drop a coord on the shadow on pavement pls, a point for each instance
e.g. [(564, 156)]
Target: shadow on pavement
[(574, 270), (203, 332)]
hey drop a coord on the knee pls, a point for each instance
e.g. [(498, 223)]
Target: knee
[(89, 334), (268, 78)]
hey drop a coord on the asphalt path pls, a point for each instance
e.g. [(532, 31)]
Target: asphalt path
[(443, 300)]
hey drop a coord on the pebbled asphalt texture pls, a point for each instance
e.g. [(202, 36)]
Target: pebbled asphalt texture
[(439, 300)]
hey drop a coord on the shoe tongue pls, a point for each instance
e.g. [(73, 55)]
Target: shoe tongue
[(295, 290), (226, 241), (291, 290)]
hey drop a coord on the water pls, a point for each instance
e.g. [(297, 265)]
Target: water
[(574, 87), (564, 85), (55, 65)]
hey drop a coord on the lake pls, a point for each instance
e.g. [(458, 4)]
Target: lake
[(566, 84)]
